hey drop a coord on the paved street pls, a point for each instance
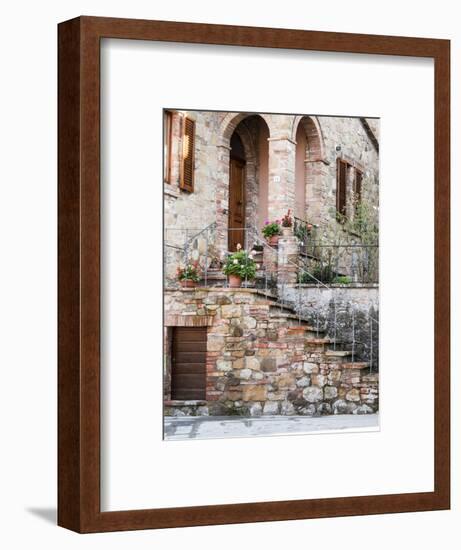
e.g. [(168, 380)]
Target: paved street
[(206, 427)]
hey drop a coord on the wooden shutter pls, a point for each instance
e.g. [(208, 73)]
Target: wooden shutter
[(188, 365), (358, 186), (341, 178), (167, 143), (188, 153)]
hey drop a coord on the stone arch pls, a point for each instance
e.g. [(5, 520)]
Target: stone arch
[(313, 131), (235, 122), (310, 167), (230, 123), (247, 141)]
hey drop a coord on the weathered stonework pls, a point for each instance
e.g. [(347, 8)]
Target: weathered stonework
[(300, 357), (275, 364), (271, 150), (348, 312)]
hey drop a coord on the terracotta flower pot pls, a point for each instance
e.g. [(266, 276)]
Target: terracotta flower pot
[(235, 281), (188, 283), (274, 240)]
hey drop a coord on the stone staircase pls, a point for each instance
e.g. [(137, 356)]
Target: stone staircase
[(264, 359)]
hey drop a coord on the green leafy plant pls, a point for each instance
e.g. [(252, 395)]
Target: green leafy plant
[(342, 280), (271, 229), (324, 274), (191, 272), (352, 246), (241, 264)]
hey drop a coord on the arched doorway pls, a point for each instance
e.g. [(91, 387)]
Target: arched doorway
[(309, 168), (248, 179), (237, 164), (300, 173)]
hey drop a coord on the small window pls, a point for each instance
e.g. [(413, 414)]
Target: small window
[(188, 154), (341, 183), (167, 141)]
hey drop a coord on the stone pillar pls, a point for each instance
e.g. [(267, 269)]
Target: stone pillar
[(287, 267), (282, 152), (318, 182), (222, 197)]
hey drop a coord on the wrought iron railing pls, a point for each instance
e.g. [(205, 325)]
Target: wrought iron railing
[(350, 261), (307, 234), (331, 266)]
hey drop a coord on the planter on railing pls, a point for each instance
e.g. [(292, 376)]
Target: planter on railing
[(188, 283), (235, 281)]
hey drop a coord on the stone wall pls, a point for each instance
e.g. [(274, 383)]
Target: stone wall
[(327, 138), (262, 360), (347, 312)]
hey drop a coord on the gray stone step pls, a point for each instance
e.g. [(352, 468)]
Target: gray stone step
[(338, 353)]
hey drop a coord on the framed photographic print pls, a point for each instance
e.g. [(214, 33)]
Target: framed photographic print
[(253, 274)]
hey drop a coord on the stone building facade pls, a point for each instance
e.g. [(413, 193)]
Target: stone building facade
[(262, 360), (225, 174)]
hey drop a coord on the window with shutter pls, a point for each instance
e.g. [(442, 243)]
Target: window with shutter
[(188, 153), (167, 140), (341, 180), (358, 187)]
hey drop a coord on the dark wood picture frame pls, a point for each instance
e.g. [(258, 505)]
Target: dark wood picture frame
[(79, 274)]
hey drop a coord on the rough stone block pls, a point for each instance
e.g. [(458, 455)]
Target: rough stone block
[(252, 363), (255, 409), (268, 364), (223, 365), (304, 382), (286, 380), (254, 393), (313, 394), (340, 407), (363, 409), (271, 408), (319, 380), (245, 374), (310, 368), (215, 342), (229, 311), (353, 395), (287, 408), (324, 408), (330, 392), (249, 322)]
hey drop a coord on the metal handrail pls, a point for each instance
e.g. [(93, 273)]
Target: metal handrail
[(265, 243), (207, 228), (252, 236)]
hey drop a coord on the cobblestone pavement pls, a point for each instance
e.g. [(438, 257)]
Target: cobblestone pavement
[(207, 427)]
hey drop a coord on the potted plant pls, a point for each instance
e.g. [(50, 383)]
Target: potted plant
[(272, 231), (287, 224), (189, 275), (239, 265)]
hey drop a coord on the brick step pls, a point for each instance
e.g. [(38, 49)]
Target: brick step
[(338, 353), (307, 332), (326, 341), (269, 295), (288, 316), (337, 356), (324, 345), (354, 365)]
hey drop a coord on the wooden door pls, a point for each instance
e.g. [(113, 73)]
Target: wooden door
[(236, 204), (188, 363)]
